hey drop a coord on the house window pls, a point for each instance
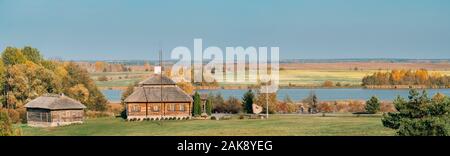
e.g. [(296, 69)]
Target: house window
[(155, 108), (181, 107), (172, 107), (135, 108)]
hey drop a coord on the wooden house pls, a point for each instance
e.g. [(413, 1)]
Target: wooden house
[(54, 110), (156, 98)]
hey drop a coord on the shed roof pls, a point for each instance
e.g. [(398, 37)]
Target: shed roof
[(55, 102)]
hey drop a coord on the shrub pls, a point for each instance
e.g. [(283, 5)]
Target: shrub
[(372, 105), (98, 114), (326, 107), (22, 114), (355, 106), (328, 83), (6, 127), (213, 118), (102, 78), (14, 116), (116, 109), (233, 105)]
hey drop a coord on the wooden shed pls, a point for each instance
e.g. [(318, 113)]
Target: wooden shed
[(54, 110), (158, 97)]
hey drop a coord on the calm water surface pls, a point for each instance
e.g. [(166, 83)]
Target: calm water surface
[(299, 94)]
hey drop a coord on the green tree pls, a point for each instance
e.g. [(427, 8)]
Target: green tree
[(12, 56), (372, 105), (197, 109), (2, 82), (248, 100), (208, 105), (419, 115), (32, 54), (77, 75)]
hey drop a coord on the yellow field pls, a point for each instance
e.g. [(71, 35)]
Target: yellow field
[(294, 77)]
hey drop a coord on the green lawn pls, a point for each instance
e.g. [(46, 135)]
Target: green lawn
[(277, 125)]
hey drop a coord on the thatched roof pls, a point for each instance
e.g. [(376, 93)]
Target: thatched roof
[(157, 79), (55, 102), (153, 94)]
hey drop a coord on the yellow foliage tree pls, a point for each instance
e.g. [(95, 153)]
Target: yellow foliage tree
[(79, 92), (186, 87), (99, 66)]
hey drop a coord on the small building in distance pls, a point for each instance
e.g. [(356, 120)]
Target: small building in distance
[(156, 98), (54, 110)]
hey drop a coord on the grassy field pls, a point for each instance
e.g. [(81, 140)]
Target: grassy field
[(119, 79), (295, 77), (282, 125)]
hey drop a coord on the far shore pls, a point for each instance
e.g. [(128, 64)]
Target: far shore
[(305, 87)]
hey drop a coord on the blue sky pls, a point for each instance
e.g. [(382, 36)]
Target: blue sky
[(303, 29)]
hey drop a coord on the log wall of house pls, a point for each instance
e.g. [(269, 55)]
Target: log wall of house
[(44, 117), (38, 115), (159, 109), (67, 115)]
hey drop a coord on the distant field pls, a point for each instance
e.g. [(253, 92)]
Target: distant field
[(366, 66), (295, 77), (281, 125), (118, 79)]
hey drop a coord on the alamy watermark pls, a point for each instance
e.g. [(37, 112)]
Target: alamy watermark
[(237, 65)]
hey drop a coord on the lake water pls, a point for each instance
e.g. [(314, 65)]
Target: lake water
[(299, 94)]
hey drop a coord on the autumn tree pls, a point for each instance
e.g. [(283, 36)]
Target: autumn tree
[(218, 103), (233, 105), (407, 77), (328, 83), (267, 98), (79, 92), (186, 87), (78, 75), (312, 101), (6, 127), (326, 107), (2, 82), (25, 75), (100, 66)]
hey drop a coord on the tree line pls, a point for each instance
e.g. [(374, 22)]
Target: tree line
[(26, 75), (407, 77)]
